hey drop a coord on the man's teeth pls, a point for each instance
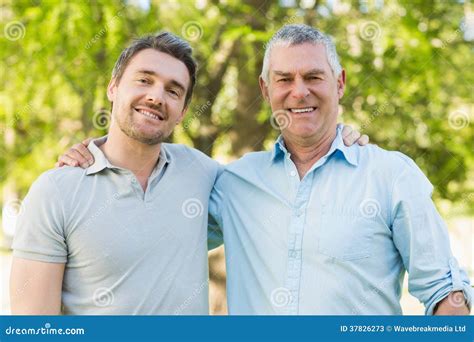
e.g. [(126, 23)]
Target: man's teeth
[(149, 114), (302, 110)]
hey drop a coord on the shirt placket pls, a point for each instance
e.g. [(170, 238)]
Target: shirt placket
[(301, 191)]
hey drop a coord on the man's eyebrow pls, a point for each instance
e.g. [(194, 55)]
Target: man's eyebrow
[(315, 72), (282, 73), (179, 85), (152, 73), (144, 71)]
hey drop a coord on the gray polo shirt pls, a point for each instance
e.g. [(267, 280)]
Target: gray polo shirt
[(126, 251)]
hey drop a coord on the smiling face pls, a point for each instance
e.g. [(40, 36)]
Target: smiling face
[(149, 99), (303, 87)]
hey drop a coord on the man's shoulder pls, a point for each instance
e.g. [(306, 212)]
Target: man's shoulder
[(374, 155), (394, 165), (252, 167), (185, 154), (61, 177), (55, 185), (251, 160)]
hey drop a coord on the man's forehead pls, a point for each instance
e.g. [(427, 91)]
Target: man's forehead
[(302, 58), (159, 63)]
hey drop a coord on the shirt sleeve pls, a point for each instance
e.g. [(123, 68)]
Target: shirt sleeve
[(422, 240), (215, 236), (39, 233)]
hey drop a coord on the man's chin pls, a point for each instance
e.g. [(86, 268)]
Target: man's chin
[(151, 139), (302, 132), (146, 138)]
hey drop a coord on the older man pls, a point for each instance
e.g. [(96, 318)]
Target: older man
[(315, 227)]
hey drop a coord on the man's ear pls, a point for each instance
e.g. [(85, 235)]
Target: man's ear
[(264, 89), (341, 83), (112, 89)]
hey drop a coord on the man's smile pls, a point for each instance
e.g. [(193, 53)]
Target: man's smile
[(150, 113)]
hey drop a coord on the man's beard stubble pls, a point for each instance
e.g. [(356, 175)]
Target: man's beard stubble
[(129, 129)]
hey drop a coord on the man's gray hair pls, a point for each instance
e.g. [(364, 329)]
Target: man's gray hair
[(300, 34)]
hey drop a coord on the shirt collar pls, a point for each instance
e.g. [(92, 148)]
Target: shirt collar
[(101, 162), (279, 148), (350, 153)]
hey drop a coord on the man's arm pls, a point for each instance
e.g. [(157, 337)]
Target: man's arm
[(215, 236), (454, 304), (39, 250), (422, 239), (79, 155), (35, 287)]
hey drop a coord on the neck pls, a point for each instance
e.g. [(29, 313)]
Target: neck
[(130, 154), (305, 152)]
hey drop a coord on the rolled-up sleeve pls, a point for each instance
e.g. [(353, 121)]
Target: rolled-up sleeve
[(422, 240)]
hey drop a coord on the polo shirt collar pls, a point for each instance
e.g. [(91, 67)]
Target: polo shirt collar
[(101, 162)]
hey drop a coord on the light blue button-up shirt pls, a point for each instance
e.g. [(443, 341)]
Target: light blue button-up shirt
[(337, 241)]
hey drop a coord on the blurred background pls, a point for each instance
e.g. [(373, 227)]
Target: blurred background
[(409, 71)]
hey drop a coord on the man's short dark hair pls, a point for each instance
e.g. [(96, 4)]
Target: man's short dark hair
[(165, 42)]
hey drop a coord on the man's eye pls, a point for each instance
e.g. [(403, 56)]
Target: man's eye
[(173, 92), (143, 80), (283, 80)]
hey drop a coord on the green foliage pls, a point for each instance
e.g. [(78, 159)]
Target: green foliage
[(409, 77)]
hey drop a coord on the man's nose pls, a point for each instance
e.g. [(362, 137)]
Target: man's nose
[(156, 95), (300, 90)]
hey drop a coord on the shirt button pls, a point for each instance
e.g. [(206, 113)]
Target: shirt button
[(292, 173)]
